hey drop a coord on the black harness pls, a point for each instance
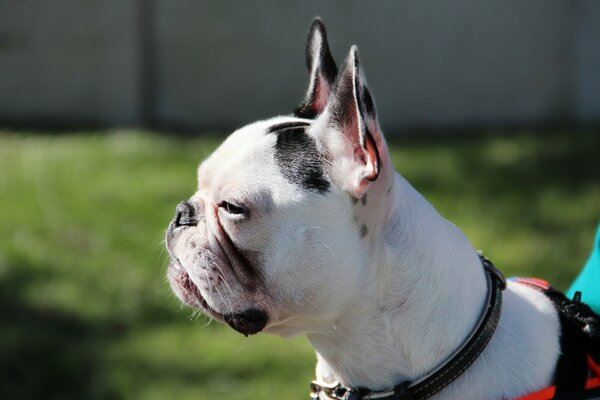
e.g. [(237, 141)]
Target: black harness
[(580, 339)]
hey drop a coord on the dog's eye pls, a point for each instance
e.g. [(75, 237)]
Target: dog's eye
[(232, 208)]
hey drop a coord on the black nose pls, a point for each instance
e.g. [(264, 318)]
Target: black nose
[(185, 215)]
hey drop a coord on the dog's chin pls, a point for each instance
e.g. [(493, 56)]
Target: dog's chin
[(248, 322)]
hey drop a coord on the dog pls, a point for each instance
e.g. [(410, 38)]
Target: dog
[(300, 225)]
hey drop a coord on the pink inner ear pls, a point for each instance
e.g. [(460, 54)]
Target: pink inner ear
[(371, 148), (351, 131), (321, 95)]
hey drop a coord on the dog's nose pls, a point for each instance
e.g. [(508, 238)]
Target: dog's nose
[(185, 215)]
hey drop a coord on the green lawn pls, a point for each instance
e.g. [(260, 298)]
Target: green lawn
[(86, 313)]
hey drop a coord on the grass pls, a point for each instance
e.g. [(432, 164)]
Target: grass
[(85, 311)]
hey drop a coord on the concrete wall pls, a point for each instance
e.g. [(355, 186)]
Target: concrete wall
[(218, 64), (68, 61), (587, 61)]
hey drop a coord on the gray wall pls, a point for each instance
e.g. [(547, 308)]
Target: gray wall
[(219, 64), (68, 60)]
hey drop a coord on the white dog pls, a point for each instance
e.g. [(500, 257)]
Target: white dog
[(300, 225)]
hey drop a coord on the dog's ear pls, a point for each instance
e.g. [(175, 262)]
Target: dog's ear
[(322, 70), (356, 143)]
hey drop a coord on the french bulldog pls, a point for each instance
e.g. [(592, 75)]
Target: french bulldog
[(300, 225)]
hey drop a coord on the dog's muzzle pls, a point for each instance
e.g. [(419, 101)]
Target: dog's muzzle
[(247, 322)]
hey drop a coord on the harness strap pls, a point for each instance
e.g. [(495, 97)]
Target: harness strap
[(580, 345), (592, 386)]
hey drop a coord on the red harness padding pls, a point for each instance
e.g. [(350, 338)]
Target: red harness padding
[(593, 382), (548, 393)]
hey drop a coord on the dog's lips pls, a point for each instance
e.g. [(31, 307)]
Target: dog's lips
[(248, 322), (188, 292)]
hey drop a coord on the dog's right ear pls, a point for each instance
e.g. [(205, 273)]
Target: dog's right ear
[(322, 69), (350, 131)]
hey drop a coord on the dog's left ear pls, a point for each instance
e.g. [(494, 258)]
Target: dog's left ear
[(322, 69), (351, 129)]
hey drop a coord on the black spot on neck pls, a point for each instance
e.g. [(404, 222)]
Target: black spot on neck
[(299, 160), (363, 231)]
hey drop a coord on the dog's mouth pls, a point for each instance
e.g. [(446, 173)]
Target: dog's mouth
[(248, 322)]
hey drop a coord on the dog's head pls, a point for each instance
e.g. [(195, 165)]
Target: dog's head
[(276, 236)]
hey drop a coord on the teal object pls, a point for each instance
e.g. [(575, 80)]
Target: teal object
[(588, 281)]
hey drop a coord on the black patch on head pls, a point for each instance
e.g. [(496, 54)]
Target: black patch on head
[(299, 160), (363, 231), (286, 125)]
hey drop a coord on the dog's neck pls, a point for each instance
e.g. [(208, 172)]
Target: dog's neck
[(427, 297)]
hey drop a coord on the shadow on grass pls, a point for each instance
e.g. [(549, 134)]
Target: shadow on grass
[(557, 163), (47, 354)]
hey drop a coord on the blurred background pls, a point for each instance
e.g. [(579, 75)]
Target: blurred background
[(491, 108)]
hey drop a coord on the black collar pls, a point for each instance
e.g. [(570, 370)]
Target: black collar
[(457, 363)]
